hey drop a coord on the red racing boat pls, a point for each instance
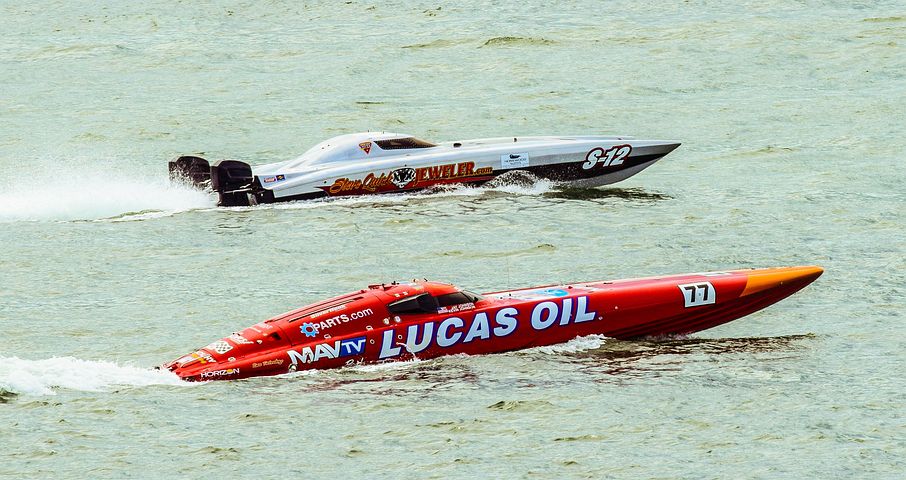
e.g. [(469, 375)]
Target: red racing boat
[(423, 319)]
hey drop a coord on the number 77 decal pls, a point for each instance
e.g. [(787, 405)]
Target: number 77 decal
[(697, 294)]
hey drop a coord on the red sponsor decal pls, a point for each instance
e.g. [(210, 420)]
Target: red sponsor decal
[(406, 178), (366, 147), (370, 184)]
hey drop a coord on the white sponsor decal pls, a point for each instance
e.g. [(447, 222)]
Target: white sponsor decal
[(343, 318), (514, 160), (238, 339), (453, 330), (337, 349), (220, 347), (220, 373), (181, 361), (258, 327), (546, 314), (697, 294), (457, 308), (329, 310)]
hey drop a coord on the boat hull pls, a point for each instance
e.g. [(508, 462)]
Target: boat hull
[(576, 161), (580, 167), (358, 329)]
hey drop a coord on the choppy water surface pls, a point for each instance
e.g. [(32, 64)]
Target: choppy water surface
[(791, 121)]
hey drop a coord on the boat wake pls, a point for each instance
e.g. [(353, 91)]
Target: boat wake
[(576, 345), (101, 193), (74, 192), (45, 377), (515, 183), (522, 184)]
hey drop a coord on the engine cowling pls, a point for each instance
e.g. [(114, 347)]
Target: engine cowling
[(232, 180), (188, 168)]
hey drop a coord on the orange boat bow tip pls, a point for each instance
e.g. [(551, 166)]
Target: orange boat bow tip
[(761, 280)]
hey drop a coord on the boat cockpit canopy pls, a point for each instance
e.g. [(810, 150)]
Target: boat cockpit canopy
[(358, 147), (427, 303)]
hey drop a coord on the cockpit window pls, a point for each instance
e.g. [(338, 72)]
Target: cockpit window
[(403, 143), (457, 298), (423, 303)]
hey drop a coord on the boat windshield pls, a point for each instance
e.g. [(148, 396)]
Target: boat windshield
[(355, 147), (423, 303), (458, 298), (404, 143)]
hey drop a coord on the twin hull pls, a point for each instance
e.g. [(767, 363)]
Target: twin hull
[(357, 328)]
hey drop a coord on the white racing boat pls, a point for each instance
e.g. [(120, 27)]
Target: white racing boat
[(371, 163)]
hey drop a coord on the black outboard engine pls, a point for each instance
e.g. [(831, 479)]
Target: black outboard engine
[(192, 169), (232, 180)]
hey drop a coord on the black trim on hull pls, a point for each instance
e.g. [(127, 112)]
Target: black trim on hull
[(573, 171), (558, 172)]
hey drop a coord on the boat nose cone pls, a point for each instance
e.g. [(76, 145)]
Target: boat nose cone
[(672, 146), (798, 277)]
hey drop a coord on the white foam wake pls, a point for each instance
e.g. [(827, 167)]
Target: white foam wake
[(535, 188), (102, 190), (72, 192), (576, 345), (42, 377)]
